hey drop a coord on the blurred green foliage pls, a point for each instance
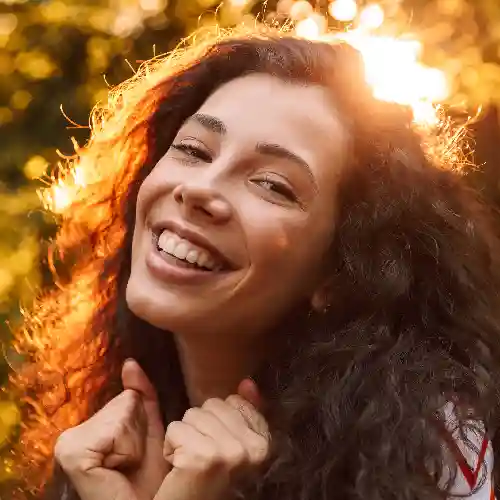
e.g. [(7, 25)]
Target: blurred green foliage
[(65, 53)]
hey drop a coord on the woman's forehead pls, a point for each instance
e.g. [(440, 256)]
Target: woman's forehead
[(267, 96), (262, 108)]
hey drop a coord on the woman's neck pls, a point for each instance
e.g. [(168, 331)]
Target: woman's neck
[(215, 369)]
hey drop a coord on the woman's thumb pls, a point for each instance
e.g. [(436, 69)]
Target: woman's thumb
[(248, 390), (134, 378), (153, 468)]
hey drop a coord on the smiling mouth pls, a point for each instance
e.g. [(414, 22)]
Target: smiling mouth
[(182, 253)]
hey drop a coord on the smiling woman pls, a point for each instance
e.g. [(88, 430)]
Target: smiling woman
[(236, 182), (310, 298)]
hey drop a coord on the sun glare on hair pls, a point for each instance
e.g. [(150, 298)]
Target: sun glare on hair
[(393, 67)]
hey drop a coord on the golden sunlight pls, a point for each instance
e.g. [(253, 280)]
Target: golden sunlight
[(63, 191), (343, 10), (393, 67), (371, 17), (393, 70), (58, 197), (395, 74)]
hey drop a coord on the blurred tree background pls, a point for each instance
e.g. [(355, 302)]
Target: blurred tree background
[(65, 53)]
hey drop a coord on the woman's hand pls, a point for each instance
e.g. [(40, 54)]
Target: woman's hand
[(117, 453), (214, 446)]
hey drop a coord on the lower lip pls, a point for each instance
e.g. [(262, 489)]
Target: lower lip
[(163, 266)]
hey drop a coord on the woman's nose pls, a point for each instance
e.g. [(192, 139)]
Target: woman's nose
[(200, 201)]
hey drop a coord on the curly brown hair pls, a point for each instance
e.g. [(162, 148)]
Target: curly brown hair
[(354, 396)]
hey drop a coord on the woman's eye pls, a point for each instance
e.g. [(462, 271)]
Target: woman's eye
[(192, 151), (277, 187)]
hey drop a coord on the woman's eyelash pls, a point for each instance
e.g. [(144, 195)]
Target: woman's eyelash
[(278, 188), (193, 151)]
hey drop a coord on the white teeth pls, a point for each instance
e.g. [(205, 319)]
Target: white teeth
[(182, 249), (167, 242), (202, 259), (170, 246), (192, 256), (210, 263)]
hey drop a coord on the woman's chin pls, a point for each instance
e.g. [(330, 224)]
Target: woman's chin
[(168, 310)]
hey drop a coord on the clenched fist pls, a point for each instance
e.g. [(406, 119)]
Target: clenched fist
[(214, 446), (117, 453), (123, 452)]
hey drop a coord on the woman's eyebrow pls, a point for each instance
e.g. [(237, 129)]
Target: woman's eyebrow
[(210, 122), (281, 152), (216, 125)]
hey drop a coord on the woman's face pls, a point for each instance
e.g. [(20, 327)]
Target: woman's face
[(233, 221)]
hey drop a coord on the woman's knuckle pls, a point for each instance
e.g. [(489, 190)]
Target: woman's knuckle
[(172, 427), (67, 448), (259, 455), (258, 450), (211, 403), (191, 413), (61, 445), (234, 399)]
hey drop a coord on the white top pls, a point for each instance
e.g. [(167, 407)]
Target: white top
[(475, 459)]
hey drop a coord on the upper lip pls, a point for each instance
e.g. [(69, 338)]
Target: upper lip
[(193, 237)]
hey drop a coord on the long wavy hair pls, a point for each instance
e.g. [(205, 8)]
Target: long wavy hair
[(354, 397)]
